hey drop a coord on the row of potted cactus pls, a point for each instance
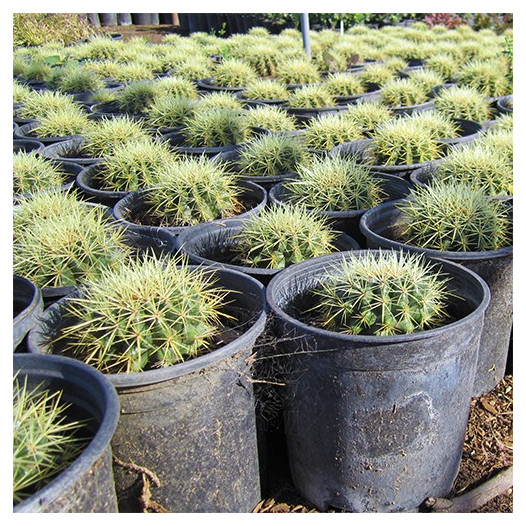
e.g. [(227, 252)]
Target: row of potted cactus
[(196, 210)]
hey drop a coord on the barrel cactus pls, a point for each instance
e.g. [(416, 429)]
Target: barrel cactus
[(32, 173), (463, 102), (150, 312), (312, 96), (327, 131), (283, 235), (335, 184), (382, 295), (452, 216)]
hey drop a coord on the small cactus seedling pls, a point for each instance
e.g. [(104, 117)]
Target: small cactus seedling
[(283, 235), (266, 89), (368, 115), (234, 73), (341, 84), (312, 96), (335, 184), (403, 92), (45, 441), (272, 118), (298, 71), (402, 142), (134, 165), (215, 127), (479, 166), (382, 295), (192, 191), (463, 103), (106, 134), (169, 111), (272, 155), (63, 122), (453, 216), (327, 131), (67, 248), (150, 312), (32, 173)]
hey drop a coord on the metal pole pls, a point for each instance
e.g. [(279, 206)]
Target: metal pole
[(305, 29)]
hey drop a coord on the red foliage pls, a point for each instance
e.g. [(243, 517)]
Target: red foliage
[(449, 20)]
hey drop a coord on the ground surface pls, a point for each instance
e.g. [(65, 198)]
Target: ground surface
[(488, 447)]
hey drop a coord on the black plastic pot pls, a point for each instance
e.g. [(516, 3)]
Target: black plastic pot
[(131, 209), (208, 85), (26, 131), (86, 485), (177, 143), (505, 104), (348, 221), (265, 181), (374, 423), (192, 424), (27, 307), (361, 150), (71, 151), (213, 244), (468, 132), (304, 115), (26, 145), (91, 189), (494, 266)]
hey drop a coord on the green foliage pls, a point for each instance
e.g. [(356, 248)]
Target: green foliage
[(281, 236), (327, 131), (45, 441), (271, 155), (135, 164), (335, 184), (382, 295), (463, 103), (32, 173), (33, 29), (192, 191), (453, 216), (402, 142), (312, 96), (150, 312), (65, 247), (215, 127)]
